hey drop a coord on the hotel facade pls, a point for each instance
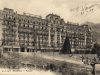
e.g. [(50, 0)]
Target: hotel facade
[(28, 33)]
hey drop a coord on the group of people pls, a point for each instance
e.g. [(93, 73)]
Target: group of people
[(89, 61)]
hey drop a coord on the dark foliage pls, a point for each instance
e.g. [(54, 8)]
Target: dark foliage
[(66, 47), (96, 49)]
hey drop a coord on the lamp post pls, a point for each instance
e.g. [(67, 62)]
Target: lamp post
[(93, 67), (53, 47), (1, 48), (35, 39), (93, 63)]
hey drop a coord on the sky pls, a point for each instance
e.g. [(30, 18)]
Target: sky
[(59, 7)]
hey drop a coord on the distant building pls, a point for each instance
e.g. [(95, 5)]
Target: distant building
[(27, 33)]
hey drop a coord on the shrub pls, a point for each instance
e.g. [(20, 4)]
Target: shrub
[(12, 60)]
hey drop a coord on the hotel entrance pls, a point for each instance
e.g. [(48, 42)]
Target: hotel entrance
[(22, 49)]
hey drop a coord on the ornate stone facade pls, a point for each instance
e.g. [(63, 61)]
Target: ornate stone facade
[(27, 33)]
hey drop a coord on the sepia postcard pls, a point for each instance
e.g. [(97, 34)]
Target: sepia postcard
[(50, 37)]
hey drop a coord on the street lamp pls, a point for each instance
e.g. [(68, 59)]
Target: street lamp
[(53, 47), (93, 66), (1, 48)]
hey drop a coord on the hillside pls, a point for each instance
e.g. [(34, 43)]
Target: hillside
[(96, 30)]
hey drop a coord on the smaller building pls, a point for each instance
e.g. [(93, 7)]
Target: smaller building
[(80, 37)]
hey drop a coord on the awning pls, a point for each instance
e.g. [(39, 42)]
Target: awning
[(11, 46), (31, 47)]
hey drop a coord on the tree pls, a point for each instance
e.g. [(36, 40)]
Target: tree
[(95, 49), (66, 49)]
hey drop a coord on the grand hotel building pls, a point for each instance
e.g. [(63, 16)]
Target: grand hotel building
[(27, 33)]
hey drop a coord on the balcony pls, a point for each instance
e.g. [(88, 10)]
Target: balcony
[(6, 23), (25, 30)]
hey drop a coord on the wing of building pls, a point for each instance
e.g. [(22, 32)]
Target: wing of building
[(29, 33)]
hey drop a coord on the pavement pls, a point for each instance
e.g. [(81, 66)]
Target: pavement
[(66, 58)]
